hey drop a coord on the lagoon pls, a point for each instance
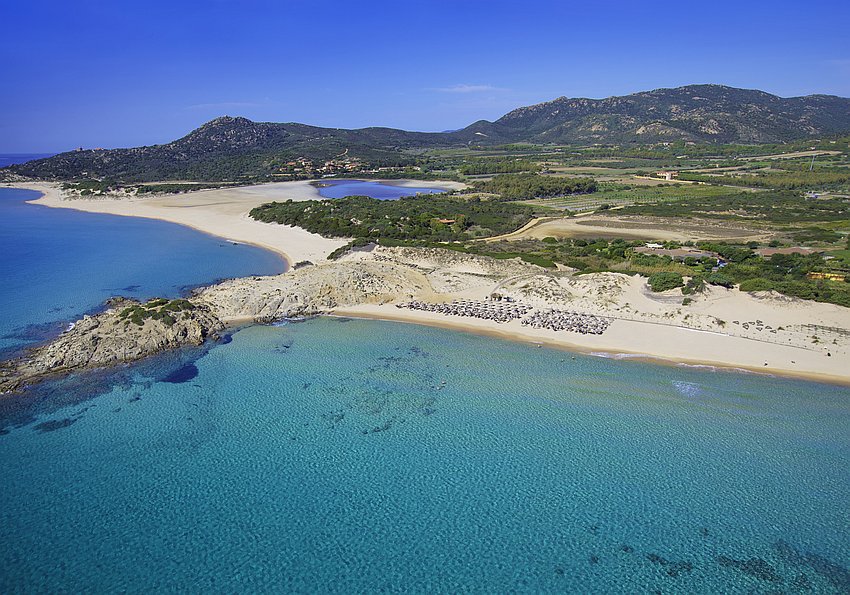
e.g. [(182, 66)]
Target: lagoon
[(379, 190)]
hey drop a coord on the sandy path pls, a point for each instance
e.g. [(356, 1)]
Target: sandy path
[(594, 226)]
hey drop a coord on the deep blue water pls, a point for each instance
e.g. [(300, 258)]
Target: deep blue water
[(381, 191), (58, 264), (346, 456), (13, 158), (362, 456)]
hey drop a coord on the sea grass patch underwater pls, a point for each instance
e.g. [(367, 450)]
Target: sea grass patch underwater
[(371, 456)]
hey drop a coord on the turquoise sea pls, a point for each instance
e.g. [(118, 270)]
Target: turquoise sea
[(58, 264), (339, 455)]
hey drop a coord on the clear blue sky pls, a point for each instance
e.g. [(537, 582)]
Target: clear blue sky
[(125, 73)]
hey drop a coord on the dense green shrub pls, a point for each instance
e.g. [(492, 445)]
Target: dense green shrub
[(718, 278), (431, 218), (527, 186), (695, 284), (665, 281)]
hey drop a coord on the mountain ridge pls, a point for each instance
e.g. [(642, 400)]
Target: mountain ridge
[(232, 148)]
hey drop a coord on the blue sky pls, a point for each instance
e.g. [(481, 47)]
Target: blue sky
[(125, 73)]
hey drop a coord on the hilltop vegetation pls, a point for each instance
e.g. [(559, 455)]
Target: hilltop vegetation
[(788, 274), (237, 149)]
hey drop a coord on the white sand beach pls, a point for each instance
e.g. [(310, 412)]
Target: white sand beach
[(221, 212), (642, 340), (760, 332), (224, 212), (764, 332)]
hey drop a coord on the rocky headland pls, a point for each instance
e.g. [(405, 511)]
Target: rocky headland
[(764, 331), (125, 332)]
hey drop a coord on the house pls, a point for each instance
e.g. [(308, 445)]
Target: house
[(667, 175)]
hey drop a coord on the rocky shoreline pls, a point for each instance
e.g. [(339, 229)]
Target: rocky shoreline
[(129, 331), (115, 336), (367, 283)]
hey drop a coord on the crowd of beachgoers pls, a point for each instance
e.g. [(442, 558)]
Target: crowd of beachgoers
[(495, 310), (505, 311), (565, 320)]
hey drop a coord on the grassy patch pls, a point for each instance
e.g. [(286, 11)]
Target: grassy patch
[(157, 309)]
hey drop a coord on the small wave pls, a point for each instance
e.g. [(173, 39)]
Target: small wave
[(712, 368), (607, 355), (293, 320)]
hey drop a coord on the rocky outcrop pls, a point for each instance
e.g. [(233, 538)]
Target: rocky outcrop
[(129, 331), (125, 332), (312, 290)]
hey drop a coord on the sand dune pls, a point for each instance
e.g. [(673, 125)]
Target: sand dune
[(764, 332)]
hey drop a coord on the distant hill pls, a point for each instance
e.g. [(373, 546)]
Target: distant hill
[(698, 113), (230, 148)]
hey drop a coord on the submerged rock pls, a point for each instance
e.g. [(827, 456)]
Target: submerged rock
[(753, 566), (671, 568), (836, 574)]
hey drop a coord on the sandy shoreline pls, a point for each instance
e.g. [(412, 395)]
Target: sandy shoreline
[(800, 339), (221, 212), (633, 340)]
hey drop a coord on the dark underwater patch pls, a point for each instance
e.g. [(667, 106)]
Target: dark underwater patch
[(53, 425), (36, 333), (182, 374), (836, 574), (755, 567)]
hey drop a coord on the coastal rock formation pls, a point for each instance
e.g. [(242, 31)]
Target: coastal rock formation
[(311, 290), (130, 331), (126, 332), (443, 281)]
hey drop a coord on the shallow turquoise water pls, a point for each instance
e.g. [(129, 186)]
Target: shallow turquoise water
[(360, 456), (58, 264)]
